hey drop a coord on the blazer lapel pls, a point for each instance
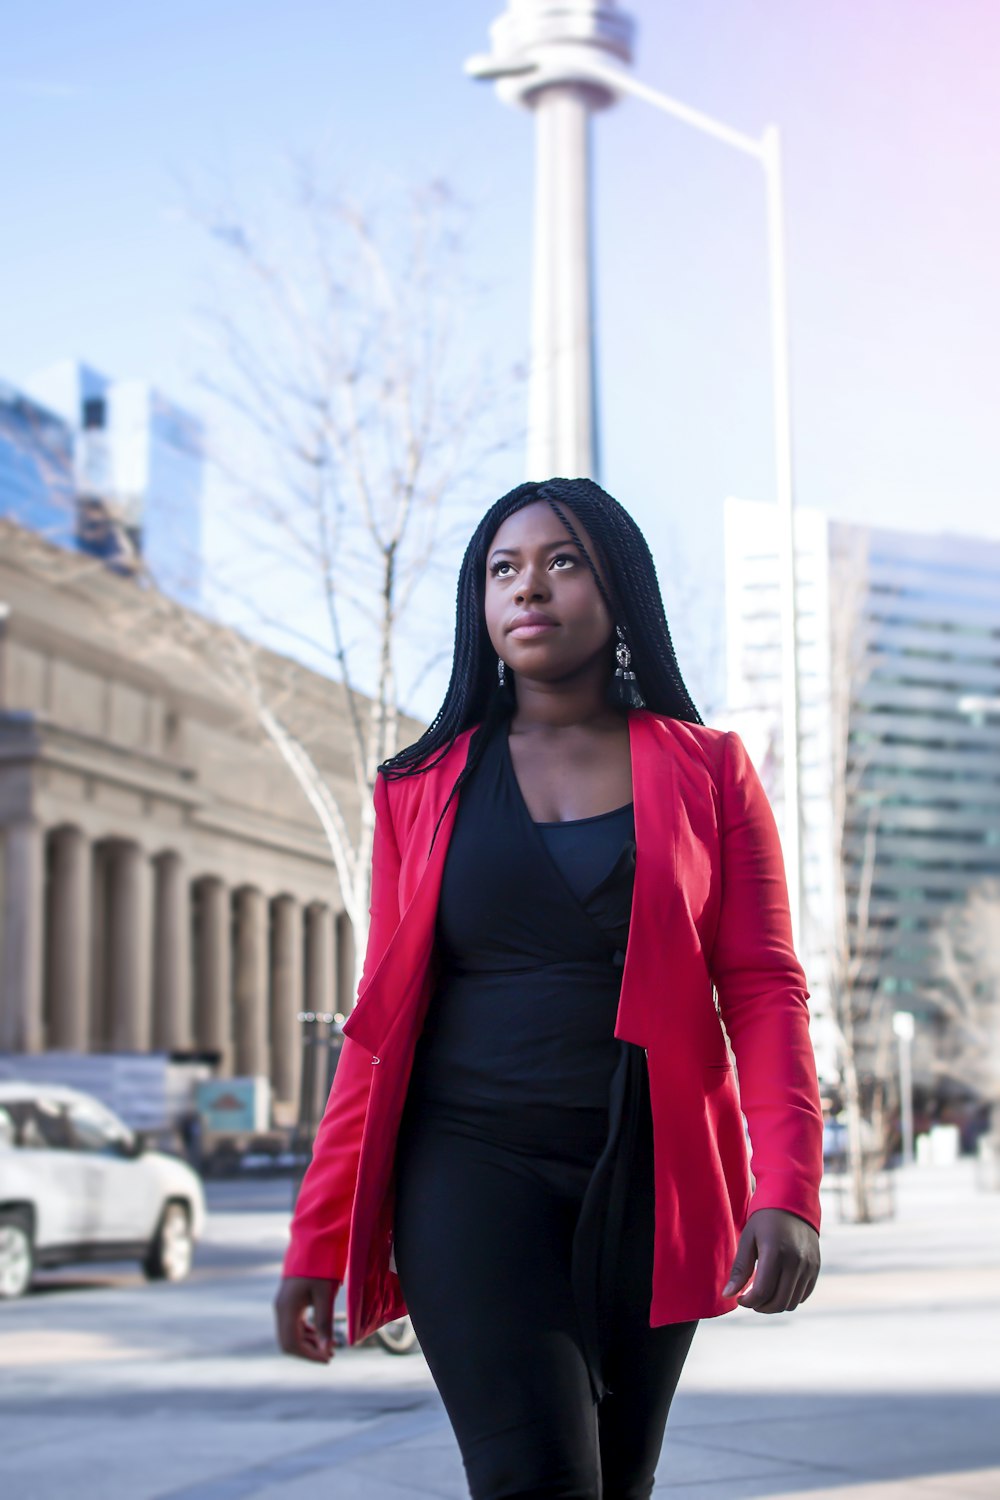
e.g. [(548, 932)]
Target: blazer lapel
[(398, 980), (403, 966), (654, 794)]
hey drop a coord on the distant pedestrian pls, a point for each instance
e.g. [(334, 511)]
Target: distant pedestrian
[(189, 1126), (534, 1141)]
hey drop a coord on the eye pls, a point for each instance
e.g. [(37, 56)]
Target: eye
[(564, 557), (495, 567)]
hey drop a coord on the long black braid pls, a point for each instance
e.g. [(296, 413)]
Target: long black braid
[(632, 597)]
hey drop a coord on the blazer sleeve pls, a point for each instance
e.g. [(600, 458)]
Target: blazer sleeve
[(321, 1222), (763, 998)]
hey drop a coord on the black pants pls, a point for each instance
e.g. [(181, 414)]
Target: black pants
[(483, 1242)]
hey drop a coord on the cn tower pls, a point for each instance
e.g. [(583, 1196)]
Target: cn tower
[(540, 51)]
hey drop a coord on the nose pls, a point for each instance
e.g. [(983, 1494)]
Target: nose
[(532, 583)]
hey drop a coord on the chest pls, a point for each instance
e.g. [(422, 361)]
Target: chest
[(564, 777)]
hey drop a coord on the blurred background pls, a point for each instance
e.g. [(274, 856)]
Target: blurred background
[(292, 295)]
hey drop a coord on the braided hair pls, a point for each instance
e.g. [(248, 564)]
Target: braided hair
[(632, 597), (633, 600)]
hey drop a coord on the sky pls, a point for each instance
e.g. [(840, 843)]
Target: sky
[(115, 115)]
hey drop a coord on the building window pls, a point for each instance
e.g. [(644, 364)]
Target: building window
[(94, 414)]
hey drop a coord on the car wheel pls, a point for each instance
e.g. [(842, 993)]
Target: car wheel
[(17, 1254), (171, 1249), (398, 1337)]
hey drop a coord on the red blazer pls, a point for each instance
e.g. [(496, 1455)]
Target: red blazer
[(709, 907)]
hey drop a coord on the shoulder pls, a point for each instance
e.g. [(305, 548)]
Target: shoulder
[(714, 760), (402, 795), (696, 743)]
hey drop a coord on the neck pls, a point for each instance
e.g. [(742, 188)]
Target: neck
[(549, 706)]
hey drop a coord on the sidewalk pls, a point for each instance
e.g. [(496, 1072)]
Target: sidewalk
[(885, 1385)]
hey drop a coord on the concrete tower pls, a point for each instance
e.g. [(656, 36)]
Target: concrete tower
[(539, 53)]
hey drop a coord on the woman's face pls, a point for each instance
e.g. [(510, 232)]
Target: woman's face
[(534, 568)]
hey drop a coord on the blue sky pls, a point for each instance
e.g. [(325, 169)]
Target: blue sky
[(114, 113)]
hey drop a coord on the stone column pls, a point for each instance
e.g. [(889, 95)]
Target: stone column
[(171, 955), (100, 1016), (286, 998), (346, 982), (320, 959), (21, 925), (250, 983), (68, 942), (213, 1021), (130, 961)]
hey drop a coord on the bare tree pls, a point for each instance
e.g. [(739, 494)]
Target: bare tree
[(359, 413), (364, 412), (858, 1007), (968, 952)]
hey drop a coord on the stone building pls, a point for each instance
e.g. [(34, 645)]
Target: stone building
[(164, 884)]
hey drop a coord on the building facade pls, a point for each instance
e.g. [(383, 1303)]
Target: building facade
[(164, 884), (899, 685)]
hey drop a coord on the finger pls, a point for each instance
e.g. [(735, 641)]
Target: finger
[(743, 1264), (323, 1315), (311, 1347), (310, 1342), (779, 1300), (795, 1293), (806, 1283), (811, 1281), (799, 1289), (296, 1334), (765, 1280), (288, 1306), (306, 1347)]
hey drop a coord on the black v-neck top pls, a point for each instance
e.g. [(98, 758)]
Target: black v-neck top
[(531, 935), (518, 1046)]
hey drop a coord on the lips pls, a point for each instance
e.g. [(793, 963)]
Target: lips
[(531, 622)]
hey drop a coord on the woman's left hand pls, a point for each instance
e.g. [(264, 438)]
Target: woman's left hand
[(785, 1250)]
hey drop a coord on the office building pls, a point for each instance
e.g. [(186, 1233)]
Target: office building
[(109, 467), (37, 484), (899, 686)]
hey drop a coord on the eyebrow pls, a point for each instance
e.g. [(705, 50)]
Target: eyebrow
[(546, 547)]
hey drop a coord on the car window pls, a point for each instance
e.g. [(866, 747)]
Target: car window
[(39, 1125), (93, 1128)]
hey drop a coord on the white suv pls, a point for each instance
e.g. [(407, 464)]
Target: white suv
[(77, 1185)]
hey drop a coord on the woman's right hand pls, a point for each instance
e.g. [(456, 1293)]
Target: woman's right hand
[(299, 1334)]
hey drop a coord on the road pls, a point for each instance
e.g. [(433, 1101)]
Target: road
[(886, 1385)]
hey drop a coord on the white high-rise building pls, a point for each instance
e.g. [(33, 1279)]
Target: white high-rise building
[(899, 684)]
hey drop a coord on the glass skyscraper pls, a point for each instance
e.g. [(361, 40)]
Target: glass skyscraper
[(109, 467), (37, 486), (899, 688)]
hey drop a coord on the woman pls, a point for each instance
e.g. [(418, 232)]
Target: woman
[(534, 1140)]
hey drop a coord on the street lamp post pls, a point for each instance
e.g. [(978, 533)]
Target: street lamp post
[(903, 1026), (541, 46), (322, 1041)]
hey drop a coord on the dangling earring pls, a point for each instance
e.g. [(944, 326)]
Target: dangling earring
[(500, 666), (625, 686)]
